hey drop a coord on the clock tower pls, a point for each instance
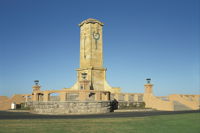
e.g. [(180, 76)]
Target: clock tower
[(91, 50), (92, 75)]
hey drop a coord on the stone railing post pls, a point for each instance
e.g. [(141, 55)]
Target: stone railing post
[(46, 97), (26, 100), (98, 96), (148, 88), (82, 95), (116, 96), (126, 97), (35, 97), (136, 98), (40, 97), (63, 96), (105, 96), (108, 96)]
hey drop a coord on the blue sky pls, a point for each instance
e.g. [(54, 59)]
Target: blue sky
[(39, 39)]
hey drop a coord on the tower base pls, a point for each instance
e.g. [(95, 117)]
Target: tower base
[(70, 107)]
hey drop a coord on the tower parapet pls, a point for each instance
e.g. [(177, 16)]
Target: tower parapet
[(91, 20)]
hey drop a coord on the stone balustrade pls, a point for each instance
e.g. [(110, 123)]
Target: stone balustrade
[(128, 97), (70, 102), (71, 95)]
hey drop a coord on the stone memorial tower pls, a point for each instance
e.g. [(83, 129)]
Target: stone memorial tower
[(92, 75)]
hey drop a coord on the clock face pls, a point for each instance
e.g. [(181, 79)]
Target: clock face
[(96, 35)]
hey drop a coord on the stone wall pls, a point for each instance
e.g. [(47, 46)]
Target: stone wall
[(131, 105), (5, 102), (70, 107)]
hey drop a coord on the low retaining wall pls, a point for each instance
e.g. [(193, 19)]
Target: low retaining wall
[(131, 105), (154, 102), (190, 103), (70, 107)]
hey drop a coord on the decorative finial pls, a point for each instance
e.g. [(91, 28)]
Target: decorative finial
[(36, 82), (148, 80)]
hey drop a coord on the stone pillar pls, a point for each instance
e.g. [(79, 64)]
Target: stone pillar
[(82, 95), (126, 97), (98, 96), (103, 96), (148, 88), (46, 97), (40, 97), (116, 96), (35, 97), (106, 96), (26, 100), (135, 98), (148, 94), (63, 96)]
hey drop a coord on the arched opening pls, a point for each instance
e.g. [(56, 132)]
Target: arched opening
[(140, 98), (131, 98), (72, 96), (54, 97), (121, 97), (40, 97)]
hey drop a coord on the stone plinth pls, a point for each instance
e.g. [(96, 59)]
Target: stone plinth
[(70, 107)]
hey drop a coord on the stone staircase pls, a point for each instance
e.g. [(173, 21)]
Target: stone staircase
[(179, 106)]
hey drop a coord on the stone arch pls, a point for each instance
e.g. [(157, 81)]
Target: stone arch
[(54, 96)]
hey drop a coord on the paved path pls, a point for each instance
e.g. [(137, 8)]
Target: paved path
[(26, 115)]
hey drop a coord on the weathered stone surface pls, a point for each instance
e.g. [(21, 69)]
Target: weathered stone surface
[(91, 59), (131, 105), (72, 107)]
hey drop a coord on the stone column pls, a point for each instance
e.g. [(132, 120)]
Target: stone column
[(108, 96), (26, 100), (40, 97), (126, 97), (98, 96), (82, 95), (135, 98), (46, 97), (63, 96), (116, 96), (35, 97), (148, 88), (103, 96)]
